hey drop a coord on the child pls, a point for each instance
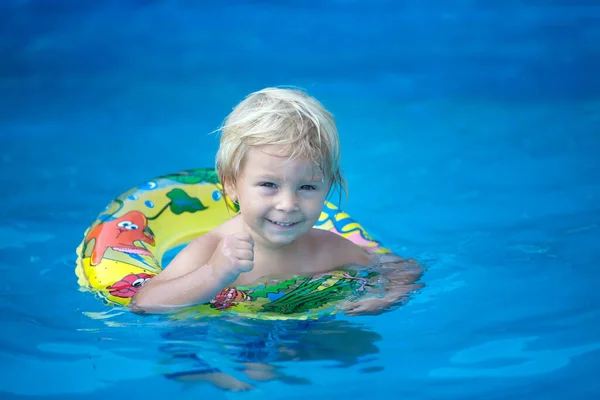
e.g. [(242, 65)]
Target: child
[(279, 157)]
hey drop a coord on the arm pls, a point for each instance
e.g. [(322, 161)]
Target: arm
[(200, 271), (402, 275), (398, 270)]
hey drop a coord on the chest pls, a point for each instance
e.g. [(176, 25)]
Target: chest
[(281, 267)]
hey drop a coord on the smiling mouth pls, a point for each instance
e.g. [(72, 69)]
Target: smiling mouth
[(283, 224)]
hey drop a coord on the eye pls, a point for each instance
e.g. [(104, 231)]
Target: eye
[(128, 225), (267, 184), (308, 187), (139, 282)]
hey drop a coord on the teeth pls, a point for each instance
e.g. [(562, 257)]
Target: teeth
[(283, 223)]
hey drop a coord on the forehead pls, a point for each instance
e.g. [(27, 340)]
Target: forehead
[(273, 160)]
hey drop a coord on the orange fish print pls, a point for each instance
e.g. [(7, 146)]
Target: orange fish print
[(227, 297), (120, 235)]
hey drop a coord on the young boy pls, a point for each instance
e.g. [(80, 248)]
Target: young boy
[(279, 157)]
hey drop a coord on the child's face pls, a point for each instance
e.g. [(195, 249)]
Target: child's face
[(280, 198)]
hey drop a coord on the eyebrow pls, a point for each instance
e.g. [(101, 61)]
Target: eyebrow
[(268, 177)]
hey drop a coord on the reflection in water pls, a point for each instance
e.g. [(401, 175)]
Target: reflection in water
[(228, 353)]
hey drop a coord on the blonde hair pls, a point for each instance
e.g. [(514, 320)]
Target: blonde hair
[(277, 116)]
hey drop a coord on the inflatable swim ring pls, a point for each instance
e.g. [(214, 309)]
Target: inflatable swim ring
[(125, 245)]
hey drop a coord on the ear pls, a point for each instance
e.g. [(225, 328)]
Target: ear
[(230, 191)]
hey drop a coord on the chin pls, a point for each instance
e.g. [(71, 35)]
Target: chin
[(281, 241)]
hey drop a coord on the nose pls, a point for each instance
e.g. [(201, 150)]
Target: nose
[(287, 201)]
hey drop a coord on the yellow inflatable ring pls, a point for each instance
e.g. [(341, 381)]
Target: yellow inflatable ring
[(124, 247)]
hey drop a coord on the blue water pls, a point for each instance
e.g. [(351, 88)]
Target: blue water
[(470, 138)]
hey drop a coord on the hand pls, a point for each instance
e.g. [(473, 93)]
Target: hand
[(399, 270), (369, 306), (397, 296), (233, 256)]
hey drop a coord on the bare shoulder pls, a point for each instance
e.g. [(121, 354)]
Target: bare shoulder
[(229, 227), (337, 251), (208, 242)]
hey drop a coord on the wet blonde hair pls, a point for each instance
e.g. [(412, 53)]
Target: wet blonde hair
[(280, 116)]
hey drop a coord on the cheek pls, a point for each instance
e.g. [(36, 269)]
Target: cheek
[(314, 206), (253, 205)]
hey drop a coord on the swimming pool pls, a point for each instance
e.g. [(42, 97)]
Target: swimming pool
[(470, 140)]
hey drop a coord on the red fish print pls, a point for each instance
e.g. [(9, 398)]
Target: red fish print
[(120, 235), (227, 298), (129, 285)]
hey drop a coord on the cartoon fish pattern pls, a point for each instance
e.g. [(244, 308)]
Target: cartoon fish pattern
[(121, 234)]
